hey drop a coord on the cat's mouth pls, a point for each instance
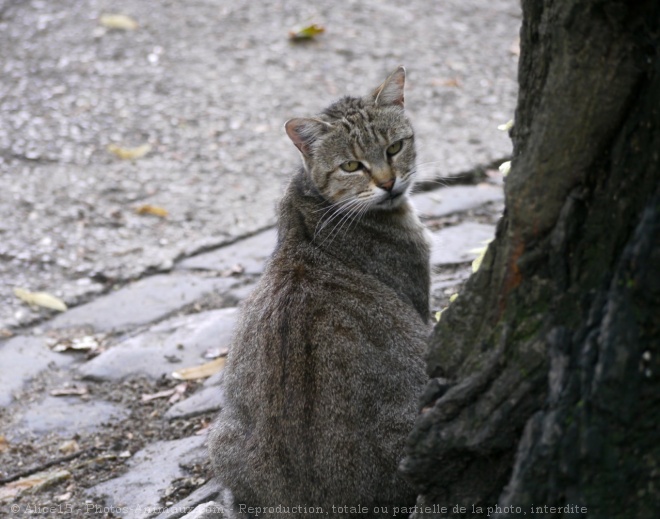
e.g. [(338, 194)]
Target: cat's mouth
[(391, 197)]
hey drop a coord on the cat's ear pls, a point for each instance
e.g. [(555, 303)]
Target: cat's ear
[(391, 91), (303, 132)]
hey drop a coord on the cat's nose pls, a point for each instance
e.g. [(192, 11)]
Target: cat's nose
[(387, 185)]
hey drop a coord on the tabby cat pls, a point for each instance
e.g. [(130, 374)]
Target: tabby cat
[(327, 365)]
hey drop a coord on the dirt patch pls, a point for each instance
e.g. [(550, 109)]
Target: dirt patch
[(95, 456)]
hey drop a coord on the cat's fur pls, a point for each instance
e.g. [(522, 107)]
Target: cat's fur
[(326, 366)]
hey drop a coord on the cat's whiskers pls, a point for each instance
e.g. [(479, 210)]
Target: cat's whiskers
[(341, 211), (360, 214), (359, 204), (334, 206)]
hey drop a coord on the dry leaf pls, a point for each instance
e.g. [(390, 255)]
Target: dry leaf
[(129, 153), (63, 497), (203, 429), (86, 343), (202, 371), (160, 394), (506, 126), (505, 167), (234, 270), (179, 391), (152, 209), (70, 391), (69, 447), (4, 444), (32, 483), (476, 263), (43, 299), (515, 47), (306, 32), (453, 82), (118, 21), (214, 353)]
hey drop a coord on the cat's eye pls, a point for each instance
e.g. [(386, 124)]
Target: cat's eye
[(395, 148), (351, 165)]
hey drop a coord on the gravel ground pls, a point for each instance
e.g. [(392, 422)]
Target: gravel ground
[(208, 84)]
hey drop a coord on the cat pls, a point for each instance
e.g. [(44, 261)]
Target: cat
[(326, 367)]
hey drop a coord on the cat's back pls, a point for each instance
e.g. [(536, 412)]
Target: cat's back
[(313, 336)]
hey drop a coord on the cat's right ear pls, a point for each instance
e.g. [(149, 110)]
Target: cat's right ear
[(391, 91), (303, 133)]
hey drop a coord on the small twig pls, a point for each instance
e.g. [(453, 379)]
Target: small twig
[(43, 466)]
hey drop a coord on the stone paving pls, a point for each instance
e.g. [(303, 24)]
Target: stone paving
[(91, 415), (153, 327), (208, 84)]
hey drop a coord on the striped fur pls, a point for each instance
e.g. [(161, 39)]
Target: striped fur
[(327, 363)]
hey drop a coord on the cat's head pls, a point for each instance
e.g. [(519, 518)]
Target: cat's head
[(360, 152)]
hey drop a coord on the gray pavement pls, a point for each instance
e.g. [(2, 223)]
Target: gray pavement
[(208, 84)]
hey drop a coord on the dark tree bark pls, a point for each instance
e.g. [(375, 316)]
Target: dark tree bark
[(545, 385)]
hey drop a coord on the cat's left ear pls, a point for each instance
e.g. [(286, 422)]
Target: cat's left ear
[(391, 91), (303, 132)]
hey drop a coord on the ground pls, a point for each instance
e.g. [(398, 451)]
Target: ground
[(207, 85)]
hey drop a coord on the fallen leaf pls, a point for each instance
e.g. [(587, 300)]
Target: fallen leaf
[(233, 270), (125, 454), (452, 298), (175, 394), (515, 47), (43, 299), (152, 210), (506, 126), (179, 391), (118, 21), (5, 333), (154, 396), (85, 343), (203, 429), (32, 483), (63, 497), (69, 447), (306, 32), (4, 444), (214, 353), (438, 315), (129, 153), (453, 82), (505, 167), (476, 263), (202, 371), (70, 391)]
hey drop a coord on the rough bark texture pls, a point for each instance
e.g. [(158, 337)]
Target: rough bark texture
[(545, 371)]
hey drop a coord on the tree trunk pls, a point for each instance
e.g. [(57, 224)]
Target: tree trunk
[(545, 371)]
